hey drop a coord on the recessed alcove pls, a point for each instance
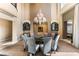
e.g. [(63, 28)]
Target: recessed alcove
[(5, 30), (40, 29)]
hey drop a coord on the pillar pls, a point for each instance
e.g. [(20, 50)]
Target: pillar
[(59, 18), (76, 27)]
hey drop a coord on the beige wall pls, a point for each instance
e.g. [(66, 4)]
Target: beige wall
[(67, 7), (69, 15), (5, 29), (8, 8), (27, 11), (46, 9), (59, 19), (54, 11)]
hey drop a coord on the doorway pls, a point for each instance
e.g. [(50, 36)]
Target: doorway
[(68, 18)]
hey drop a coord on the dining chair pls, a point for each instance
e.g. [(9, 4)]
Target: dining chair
[(46, 48), (25, 38), (32, 47), (55, 46)]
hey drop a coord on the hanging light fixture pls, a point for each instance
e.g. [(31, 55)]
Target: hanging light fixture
[(40, 19)]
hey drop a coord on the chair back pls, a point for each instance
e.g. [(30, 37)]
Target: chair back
[(31, 45), (24, 37), (47, 44), (56, 42)]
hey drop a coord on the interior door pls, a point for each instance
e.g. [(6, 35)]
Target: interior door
[(65, 30)]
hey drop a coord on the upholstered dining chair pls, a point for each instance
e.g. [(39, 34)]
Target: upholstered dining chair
[(47, 45), (25, 38), (32, 47), (55, 46)]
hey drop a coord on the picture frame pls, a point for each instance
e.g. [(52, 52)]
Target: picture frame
[(40, 29)]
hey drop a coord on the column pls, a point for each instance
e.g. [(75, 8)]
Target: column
[(76, 27), (53, 14), (59, 18)]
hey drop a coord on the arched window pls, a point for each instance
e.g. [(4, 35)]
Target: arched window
[(26, 26), (54, 26)]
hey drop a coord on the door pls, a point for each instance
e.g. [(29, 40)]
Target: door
[(65, 30)]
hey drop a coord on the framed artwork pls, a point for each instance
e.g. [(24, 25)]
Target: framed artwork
[(40, 29)]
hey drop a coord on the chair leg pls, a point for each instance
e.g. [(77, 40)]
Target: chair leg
[(50, 53), (44, 55), (54, 51), (30, 54), (24, 49), (27, 54)]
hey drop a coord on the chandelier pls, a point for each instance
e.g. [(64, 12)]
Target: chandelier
[(40, 19)]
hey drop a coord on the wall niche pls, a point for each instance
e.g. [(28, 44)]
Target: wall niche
[(40, 29)]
